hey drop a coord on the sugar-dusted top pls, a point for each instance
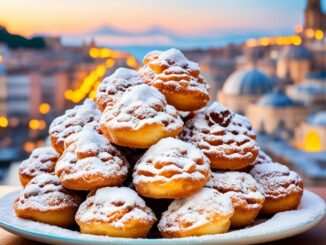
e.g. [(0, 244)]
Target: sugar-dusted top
[(276, 180), (240, 187), (171, 158), (117, 206), (73, 121), (91, 154), (139, 106), (41, 160), (195, 211), (44, 192), (217, 130), (112, 87)]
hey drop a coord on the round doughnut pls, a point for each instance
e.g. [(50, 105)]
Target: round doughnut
[(281, 187), (45, 200), (91, 162), (171, 169), (224, 137), (112, 87), (72, 122), (115, 212), (205, 212), (177, 78), (42, 160), (244, 193), (140, 118)]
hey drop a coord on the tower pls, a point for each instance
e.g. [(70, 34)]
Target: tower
[(314, 17)]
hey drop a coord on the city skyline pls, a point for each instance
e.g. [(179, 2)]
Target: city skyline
[(192, 18)]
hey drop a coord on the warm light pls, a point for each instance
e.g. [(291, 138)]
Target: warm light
[(132, 62), (296, 40), (312, 141), (44, 108), (69, 94), (310, 33), (94, 52), (298, 29), (42, 124), (265, 41), (105, 53), (3, 122), (34, 124), (319, 34), (29, 146), (1, 58), (109, 63), (100, 70), (92, 94)]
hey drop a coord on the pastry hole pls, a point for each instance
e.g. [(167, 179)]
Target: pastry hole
[(118, 203)]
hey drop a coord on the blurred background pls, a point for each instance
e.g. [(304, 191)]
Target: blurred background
[(263, 59)]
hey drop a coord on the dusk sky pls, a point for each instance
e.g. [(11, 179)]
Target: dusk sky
[(183, 16)]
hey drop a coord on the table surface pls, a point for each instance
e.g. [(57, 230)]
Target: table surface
[(315, 236)]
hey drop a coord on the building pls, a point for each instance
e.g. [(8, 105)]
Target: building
[(311, 135), (293, 63), (314, 18), (276, 114), (244, 87)]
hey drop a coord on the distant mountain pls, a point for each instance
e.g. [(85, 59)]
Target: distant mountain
[(17, 41)]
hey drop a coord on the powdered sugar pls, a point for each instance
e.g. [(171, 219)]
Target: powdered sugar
[(195, 211), (91, 154), (43, 193), (169, 156), (276, 180), (139, 106), (41, 160), (216, 130), (240, 187), (73, 121), (106, 203), (112, 87)]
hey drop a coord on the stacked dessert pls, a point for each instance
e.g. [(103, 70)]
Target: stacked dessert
[(141, 161)]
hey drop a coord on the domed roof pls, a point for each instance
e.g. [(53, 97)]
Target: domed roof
[(277, 99), (295, 53), (248, 82), (318, 119)]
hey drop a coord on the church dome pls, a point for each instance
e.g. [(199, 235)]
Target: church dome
[(277, 99), (318, 119), (295, 53), (248, 82)]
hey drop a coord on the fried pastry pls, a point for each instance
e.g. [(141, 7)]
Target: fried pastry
[(225, 138), (42, 160), (140, 118), (244, 193), (205, 212), (45, 200), (64, 127), (112, 87), (91, 162), (177, 78), (115, 212), (171, 169), (281, 187)]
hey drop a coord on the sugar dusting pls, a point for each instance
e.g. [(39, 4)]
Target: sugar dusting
[(139, 106), (171, 155), (105, 205)]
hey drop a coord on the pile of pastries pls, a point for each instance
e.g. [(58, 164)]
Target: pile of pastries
[(149, 154)]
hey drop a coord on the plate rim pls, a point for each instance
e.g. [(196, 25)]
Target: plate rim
[(47, 238)]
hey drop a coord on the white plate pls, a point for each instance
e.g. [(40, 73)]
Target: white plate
[(310, 212)]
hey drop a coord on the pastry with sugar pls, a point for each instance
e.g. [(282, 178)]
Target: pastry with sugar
[(115, 212), (42, 160), (244, 193), (64, 127), (140, 118), (177, 78), (203, 213), (281, 187), (171, 169), (45, 200), (91, 162), (112, 87), (226, 138)]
